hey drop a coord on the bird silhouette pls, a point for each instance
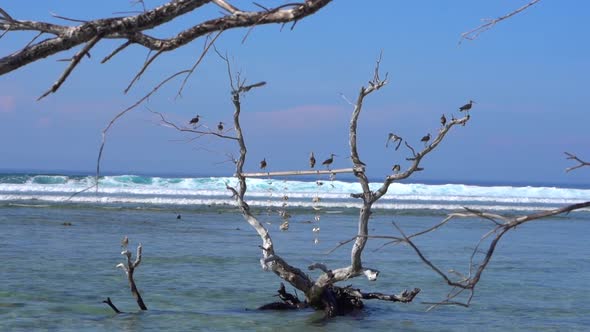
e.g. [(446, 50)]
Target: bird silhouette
[(393, 137), (312, 160), (467, 106), (220, 126), (329, 161), (443, 120), (396, 168), (263, 164), (195, 120), (125, 242), (425, 139)]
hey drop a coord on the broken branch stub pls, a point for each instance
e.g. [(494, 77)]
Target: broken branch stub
[(129, 268)]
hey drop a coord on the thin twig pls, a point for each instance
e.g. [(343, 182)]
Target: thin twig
[(490, 23), (201, 57), (75, 60), (571, 156)]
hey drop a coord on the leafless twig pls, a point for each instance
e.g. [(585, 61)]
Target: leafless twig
[(74, 62), (490, 23), (571, 156), (470, 281)]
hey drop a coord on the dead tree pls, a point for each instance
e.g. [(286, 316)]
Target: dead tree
[(129, 267), (322, 293)]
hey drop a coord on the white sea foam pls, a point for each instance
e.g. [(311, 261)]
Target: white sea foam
[(135, 189)]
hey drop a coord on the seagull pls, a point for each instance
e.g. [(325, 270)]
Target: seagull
[(220, 126), (396, 168), (425, 139), (443, 120), (194, 120), (393, 137), (311, 160), (329, 161), (263, 164), (467, 106)]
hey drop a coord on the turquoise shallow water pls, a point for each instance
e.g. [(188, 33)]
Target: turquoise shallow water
[(202, 272)]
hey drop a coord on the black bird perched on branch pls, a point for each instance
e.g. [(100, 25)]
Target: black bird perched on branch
[(263, 164), (396, 168), (467, 106), (329, 161), (311, 160), (425, 139), (220, 126), (194, 120), (393, 137), (443, 120)]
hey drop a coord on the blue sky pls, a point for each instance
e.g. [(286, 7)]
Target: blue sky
[(529, 75)]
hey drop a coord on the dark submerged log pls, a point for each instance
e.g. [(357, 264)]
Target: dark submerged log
[(337, 301)]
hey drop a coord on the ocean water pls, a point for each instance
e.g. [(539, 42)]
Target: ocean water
[(201, 272)]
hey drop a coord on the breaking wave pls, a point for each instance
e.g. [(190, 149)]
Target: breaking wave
[(146, 190)]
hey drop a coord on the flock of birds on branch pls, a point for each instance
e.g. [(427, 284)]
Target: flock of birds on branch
[(426, 138), (193, 122), (390, 138)]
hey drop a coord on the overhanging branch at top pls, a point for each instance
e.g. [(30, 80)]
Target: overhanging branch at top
[(132, 29)]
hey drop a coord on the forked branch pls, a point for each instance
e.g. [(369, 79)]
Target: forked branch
[(129, 268), (503, 225), (418, 156), (581, 163)]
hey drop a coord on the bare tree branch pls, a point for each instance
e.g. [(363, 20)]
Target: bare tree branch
[(116, 51), (227, 6), (112, 305), (470, 281), (571, 156), (270, 260), (363, 231), (490, 23), (131, 27), (192, 131), (417, 158), (201, 57), (129, 268), (404, 297), (74, 62)]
